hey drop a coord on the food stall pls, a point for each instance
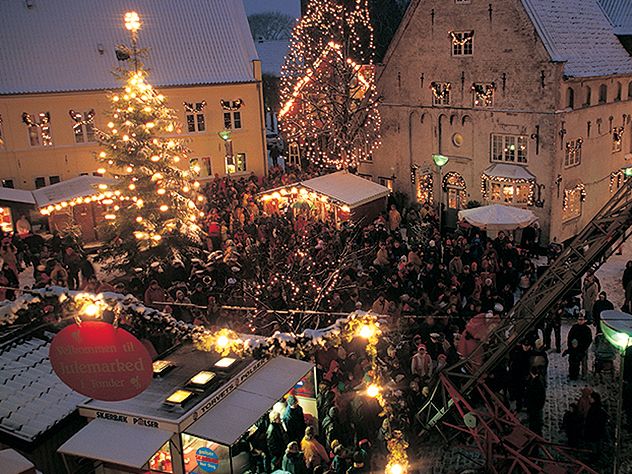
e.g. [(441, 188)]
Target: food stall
[(192, 417), (338, 197), (13, 204)]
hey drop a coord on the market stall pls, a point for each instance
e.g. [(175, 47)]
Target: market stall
[(13, 204), (76, 201), (339, 196), (192, 417)]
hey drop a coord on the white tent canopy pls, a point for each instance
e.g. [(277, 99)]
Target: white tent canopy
[(497, 217), (116, 443), (350, 189), (230, 418), (81, 186)]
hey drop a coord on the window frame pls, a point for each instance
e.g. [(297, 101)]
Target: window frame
[(573, 153), (505, 137), (446, 99), (461, 50), (577, 194), (39, 180), (195, 117), (487, 87), (5, 181), (515, 192), (238, 162), (54, 179), (233, 119), (83, 126)]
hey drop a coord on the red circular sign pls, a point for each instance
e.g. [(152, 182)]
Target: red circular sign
[(101, 361)]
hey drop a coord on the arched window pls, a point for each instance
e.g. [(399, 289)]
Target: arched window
[(630, 90), (455, 188), (617, 97), (603, 94), (588, 95), (570, 98)]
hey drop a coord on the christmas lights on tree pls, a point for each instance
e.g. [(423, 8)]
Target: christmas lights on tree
[(328, 94), (152, 210)]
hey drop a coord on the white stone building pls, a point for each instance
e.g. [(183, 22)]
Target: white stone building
[(530, 100)]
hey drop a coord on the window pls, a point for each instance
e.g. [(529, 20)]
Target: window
[(588, 95), (83, 127), (54, 179), (462, 43), (603, 94), (232, 114), (572, 203), (1, 132), (38, 128), (617, 98), (196, 121), (617, 139), (570, 98), (440, 93), (510, 193), (7, 183), (388, 182), (424, 188), (573, 154), (236, 163), (40, 182), (484, 94), (630, 90), (455, 188), (509, 148)]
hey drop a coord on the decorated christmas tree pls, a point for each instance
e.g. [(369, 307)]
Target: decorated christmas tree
[(328, 95), (152, 206)]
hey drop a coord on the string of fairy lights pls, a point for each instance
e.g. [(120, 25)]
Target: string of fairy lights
[(328, 93)]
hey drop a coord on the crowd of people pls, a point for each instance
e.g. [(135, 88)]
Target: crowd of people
[(443, 293)]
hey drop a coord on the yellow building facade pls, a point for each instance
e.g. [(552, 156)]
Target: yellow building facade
[(201, 57)]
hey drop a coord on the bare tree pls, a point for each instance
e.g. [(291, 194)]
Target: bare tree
[(270, 26)]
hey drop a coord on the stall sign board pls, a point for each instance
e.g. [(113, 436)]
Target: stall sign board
[(207, 459), (100, 361)]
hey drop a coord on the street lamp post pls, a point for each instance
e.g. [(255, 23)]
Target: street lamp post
[(440, 161), (617, 328)]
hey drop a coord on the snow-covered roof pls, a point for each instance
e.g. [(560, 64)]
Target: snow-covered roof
[(16, 195), (578, 33), (620, 14), (347, 188), (81, 186), (69, 45), (503, 170), (32, 398), (272, 55)]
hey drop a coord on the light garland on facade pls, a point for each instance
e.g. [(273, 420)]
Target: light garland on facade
[(81, 120), (467, 37), (616, 180), (42, 123), (567, 194), (617, 137), (486, 181), (440, 89), (231, 106), (197, 108), (425, 184), (484, 94)]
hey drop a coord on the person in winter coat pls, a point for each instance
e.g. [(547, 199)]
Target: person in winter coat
[(314, 452), (332, 427), (294, 420), (358, 466), (627, 275), (602, 304), (394, 218), (276, 440), (155, 294), (421, 363), (575, 357), (573, 425), (293, 461), (596, 423), (581, 332), (536, 397), (590, 290)]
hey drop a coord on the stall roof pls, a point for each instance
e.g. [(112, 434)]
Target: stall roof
[(32, 398), (81, 186), (231, 417), (503, 170), (16, 195), (13, 462), (347, 188), (117, 443)]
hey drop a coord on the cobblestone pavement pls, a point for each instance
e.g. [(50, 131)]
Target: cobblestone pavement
[(437, 458)]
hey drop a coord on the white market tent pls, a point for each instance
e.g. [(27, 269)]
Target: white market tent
[(13, 462), (117, 443), (497, 217), (347, 188), (229, 419), (79, 187), (19, 196)]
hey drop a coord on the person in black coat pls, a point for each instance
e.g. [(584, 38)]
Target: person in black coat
[(595, 427), (293, 460), (580, 331), (294, 420), (601, 304), (536, 397), (276, 440)]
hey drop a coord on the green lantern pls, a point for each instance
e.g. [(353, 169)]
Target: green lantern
[(617, 328), (440, 160)]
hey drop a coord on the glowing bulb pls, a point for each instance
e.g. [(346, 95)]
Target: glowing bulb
[(170, 127), (101, 171), (132, 21), (155, 158), (156, 237), (185, 189), (110, 124), (373, 390), (139, 219), (90, 310), (115, 98), (161, 191), (125, 138), (138, 235), (102, 154), (131, 187), (150, 125), (366, 331), (110, 217), (222, 342), (176, 159), (129, 169), (164, 208)]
